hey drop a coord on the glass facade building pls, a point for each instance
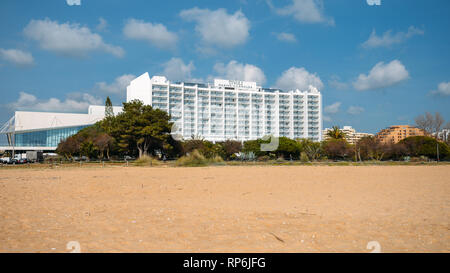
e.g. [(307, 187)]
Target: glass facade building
[(27, 131), (45, 138)]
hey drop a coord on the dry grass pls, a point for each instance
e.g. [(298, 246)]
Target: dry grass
[(196, 159), (146, 160)]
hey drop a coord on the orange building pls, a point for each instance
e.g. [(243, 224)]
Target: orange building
[(396, 133)]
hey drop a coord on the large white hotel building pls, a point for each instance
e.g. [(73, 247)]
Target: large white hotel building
[(230, 109)]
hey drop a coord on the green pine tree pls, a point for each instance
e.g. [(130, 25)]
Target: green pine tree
[(108, 108)]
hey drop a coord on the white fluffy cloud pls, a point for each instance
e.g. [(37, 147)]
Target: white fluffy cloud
[(176, 70), (73, 2), (332, 108), (286, 37), (68, 38), (305, 11), (102, 24), (155, 34), (443, 89), (217, 27), (382, 75), (118, 86), (73, 103), (298, 78), (239, 71), (388, 38), (16, 57), (355, 110)]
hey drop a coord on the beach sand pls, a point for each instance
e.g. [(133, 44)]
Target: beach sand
[(226, 209)]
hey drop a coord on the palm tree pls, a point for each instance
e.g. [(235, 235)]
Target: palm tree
[(336, 133)]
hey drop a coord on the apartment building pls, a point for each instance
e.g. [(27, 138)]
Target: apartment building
[(351, 136), (396, 133), (443, 135)]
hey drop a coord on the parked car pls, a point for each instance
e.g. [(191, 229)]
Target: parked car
[(12, 161), (22, 161), (5, 160)]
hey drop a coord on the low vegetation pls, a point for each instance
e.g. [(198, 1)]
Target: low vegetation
[(197, 159), (147, 160), (144, 133)]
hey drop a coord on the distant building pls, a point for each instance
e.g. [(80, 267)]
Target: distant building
[(444, 135), (351, 136), (396, 133)]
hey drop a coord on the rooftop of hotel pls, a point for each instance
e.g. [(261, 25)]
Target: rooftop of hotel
[(221, 84)]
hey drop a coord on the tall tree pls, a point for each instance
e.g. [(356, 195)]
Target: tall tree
[(336, 148), (103, 142), (141, 127), (425, 122), (371, 148), (429, 123), (447, 125), (437, 124), (109, 112), (68, 147), (107, 122)]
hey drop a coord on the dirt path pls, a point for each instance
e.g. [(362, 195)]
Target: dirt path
[(226, 209)]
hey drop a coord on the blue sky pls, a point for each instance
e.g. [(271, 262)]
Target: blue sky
[(375, 65)]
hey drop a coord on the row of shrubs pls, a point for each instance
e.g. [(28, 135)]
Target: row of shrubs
[(368, 148), (199, 152)]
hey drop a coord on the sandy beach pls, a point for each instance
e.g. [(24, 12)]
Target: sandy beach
[(226, 209)]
